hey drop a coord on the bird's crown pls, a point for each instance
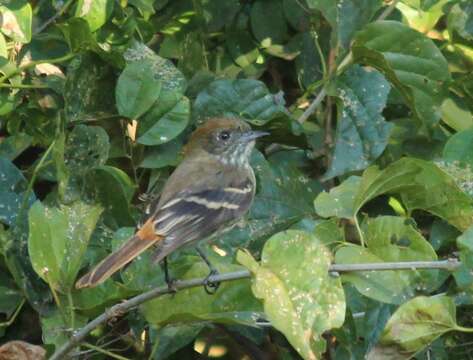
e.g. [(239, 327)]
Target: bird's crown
[(229, 139)]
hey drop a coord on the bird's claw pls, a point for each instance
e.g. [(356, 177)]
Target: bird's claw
[(209, 286)]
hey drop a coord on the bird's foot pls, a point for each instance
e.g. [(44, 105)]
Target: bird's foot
[(209, 286)]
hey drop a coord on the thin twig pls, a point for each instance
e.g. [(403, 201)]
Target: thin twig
[(125, 306), (61, 11), (345, 62)]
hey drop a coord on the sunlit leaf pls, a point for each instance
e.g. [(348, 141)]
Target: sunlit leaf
[(421, 185), (300, 298), (415, 66), (16, 21), (95, 12), (390, 239)]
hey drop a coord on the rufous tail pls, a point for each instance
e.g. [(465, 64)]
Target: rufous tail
[(115, 261)]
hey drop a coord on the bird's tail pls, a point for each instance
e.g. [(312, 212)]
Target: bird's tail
[(115, 261)]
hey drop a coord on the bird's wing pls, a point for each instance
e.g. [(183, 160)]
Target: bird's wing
[(191, 216)]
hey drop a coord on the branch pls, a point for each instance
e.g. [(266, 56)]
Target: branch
[(345, 62), (125, 306)]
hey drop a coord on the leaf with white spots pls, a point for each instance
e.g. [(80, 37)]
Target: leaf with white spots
[(340, 201), (12, 191), (58, 239), (245, 98), (362, 133), (168, 126), (300, 298)]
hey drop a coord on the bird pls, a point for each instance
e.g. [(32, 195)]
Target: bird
[(211, 189)]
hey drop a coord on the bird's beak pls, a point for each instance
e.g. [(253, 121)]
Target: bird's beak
[(248, 136)]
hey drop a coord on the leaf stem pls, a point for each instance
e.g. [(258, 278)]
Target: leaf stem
[(24, 86), (71, 309), (358, 229), (14, 315), (463, 329), (125, 306), (31, 64)]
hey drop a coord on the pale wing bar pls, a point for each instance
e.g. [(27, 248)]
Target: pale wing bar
[(194, 216)]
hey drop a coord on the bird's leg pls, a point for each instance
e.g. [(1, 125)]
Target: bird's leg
[(167, 277), (210, 287)]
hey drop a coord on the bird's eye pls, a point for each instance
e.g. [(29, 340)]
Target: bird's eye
[(224, 135)]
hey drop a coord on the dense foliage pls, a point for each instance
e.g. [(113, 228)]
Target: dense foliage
[(97, 99)]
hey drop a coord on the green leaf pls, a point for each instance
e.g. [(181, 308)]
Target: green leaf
[(86, 148), (352, 16), (390, 239), (137, 89), (217, 13), (113, 189), (88, 92), (328, 8), (245, 98), (456, 116), (268, 30), (16, 20), (300, 298), (415, 66), (58, 239), (308, 62), (340, 201), (464, 275), (164, 155), (12, 192), (232, 304), (421, 185), (168, 126), (150, 80), (14, 145), (242, 48), (458, 148), (421, 18), (415, 325), (94, 12), (53, 328), (78, 36), (460, 20), (362, 133), (3, 47), (171, 338), (10, 297)]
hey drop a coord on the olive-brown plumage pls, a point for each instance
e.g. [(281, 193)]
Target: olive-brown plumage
[(212, 187)]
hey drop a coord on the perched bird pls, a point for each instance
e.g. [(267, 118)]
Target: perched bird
[(212, 188)]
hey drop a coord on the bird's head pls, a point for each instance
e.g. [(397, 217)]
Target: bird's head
[(230, 140)]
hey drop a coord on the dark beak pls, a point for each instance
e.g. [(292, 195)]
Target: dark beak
[(252, 135)]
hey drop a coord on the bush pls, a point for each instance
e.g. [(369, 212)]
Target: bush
[(369, 106)]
